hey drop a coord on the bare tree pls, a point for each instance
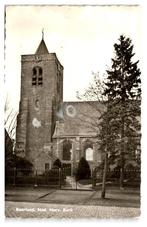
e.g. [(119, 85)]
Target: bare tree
[(10, 119), (95, 90), (95, 93)]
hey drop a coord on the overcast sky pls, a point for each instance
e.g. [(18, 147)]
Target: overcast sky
[(81, 36)]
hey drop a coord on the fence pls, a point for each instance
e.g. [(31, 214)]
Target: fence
[(61, 178), (54, 178), (27, 177), (131, 178)]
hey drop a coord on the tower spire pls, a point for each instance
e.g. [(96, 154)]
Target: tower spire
[(42, 49), (43, 33)]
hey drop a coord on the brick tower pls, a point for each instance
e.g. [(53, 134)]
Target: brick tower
[(41, 95)]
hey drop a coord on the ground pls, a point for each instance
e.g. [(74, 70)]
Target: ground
[(43, 210), (47, 203)]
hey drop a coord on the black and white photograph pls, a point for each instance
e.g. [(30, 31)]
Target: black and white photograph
[(72, 111)]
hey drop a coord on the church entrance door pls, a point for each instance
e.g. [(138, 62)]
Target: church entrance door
[(66, 168)]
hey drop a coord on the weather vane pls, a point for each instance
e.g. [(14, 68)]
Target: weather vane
[(43, 33)]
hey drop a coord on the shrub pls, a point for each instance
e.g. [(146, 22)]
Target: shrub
[(57, 163), (23, 166), (83, 170), (132, 172)]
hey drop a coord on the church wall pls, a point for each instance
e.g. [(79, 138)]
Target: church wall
[(78, 144), (35, 123)]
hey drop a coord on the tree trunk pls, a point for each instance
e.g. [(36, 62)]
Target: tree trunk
[(105, 162), (104, 178), (122, 154), (121, 175)]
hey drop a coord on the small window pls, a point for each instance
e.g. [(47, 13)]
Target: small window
[(40, 71), (39, 79), (34, 71), (37, 76), (47, 166), (34, 81)]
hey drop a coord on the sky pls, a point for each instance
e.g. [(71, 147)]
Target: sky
[(81, 36)]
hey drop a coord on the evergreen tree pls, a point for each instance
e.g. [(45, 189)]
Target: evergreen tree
[(83, 171), (123, 92), (124, 77)]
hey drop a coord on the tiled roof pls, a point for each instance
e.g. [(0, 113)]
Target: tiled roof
[(78, 119), (42, 48)]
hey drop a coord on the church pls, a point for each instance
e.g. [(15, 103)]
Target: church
[(47, 127)]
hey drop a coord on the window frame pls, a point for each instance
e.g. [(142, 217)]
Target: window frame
[(37, 78)]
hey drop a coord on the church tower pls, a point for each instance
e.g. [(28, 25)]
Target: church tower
[(41, 95)]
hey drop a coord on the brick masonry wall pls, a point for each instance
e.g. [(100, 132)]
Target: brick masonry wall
[(35, 123)]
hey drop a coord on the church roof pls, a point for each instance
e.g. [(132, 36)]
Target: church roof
[(78, 119), (42, 48)]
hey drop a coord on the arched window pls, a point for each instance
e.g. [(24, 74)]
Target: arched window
[(67, 149), (40, 71), (34, 76), (34, 71), (88, 150), (37, 76), (89, 154)]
